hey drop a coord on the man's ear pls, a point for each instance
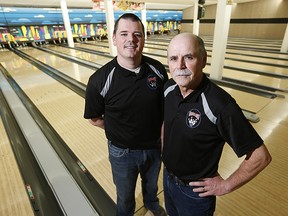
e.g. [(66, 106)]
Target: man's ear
[(114, 39), (204, 60)]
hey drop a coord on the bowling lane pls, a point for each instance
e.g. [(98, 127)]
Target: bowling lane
[(246, 54), (230, 73), (271, 45), (274, 136), (271, 58), (259, 53), (259, 59), (14, 198), (256, 66), (270, 127), (102, 46), (83, 55), (246, 76), (106, 49), (253, 55), (255, 45), (64, 110), (281, 84), (254, 105), (74, 70), (273, 129)]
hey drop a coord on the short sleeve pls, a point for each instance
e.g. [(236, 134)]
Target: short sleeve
[(237, 131), (94, 102)]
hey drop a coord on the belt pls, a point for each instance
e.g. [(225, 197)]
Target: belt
[(178, 180)]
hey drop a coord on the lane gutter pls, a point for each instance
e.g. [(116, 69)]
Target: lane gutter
[(100, 200)]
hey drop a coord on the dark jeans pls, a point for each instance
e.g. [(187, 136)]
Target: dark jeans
[(180, 200), (126, 165)]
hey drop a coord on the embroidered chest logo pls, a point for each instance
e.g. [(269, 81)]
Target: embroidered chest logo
[(193, 118), (152, 82)]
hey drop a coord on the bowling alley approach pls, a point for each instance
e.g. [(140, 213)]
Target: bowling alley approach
[(67, 108)]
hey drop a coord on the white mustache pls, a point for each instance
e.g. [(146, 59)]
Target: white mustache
[(185, 72)]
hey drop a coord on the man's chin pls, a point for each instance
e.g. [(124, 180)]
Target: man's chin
[(133, 55), (183, 81)]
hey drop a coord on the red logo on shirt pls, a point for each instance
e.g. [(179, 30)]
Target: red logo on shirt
[(152, 82), (193, 118)]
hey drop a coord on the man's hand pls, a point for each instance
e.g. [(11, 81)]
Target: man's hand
[(253, 164), (214, 186)]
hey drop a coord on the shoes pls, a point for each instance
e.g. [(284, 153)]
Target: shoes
[(160, 212)]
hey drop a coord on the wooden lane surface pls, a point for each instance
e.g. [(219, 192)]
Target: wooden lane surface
[(230, 73), (259, 67), (258, 59), (229, 162), (104, 162), (64, 110), (252, 101), (241, 75), (253, 105), (14, 199), (253, 78), (232, 41), (256, 198), (234, 53), (265, 195), (256, 55), (83, 55), (79, 135), (74, 70)]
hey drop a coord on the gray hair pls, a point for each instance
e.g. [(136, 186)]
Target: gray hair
[(202, 49)]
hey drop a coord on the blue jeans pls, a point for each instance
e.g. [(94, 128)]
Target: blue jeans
[(180, 200), (126, 165)]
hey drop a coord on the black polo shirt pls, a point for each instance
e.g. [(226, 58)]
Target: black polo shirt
[(132, 104), (197, 127)]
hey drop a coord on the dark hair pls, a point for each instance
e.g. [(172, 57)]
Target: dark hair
[(128, 16)]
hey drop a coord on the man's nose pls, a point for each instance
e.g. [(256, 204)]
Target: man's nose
[(181, 63), (131, 37)]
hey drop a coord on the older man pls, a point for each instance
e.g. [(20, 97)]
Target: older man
[(199, 119)]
